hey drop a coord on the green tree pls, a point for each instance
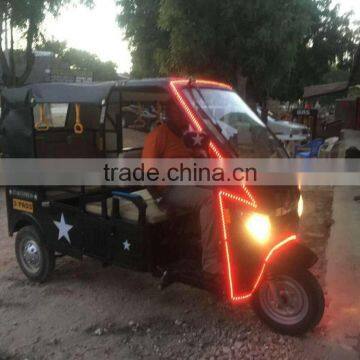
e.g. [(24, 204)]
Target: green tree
[(244, 42), (85, 61), (355, 71), (24, 17), (147, 41), (71, 59), (325, 54), (258, 45)]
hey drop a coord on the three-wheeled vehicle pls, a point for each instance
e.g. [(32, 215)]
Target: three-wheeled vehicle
[(264, 261)]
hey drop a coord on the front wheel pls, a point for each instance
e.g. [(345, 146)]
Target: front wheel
[(291, 303)]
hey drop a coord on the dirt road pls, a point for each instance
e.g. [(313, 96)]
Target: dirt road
[(87, 312), (343, 270)]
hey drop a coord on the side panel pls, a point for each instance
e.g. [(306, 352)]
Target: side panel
[(70, 231), (97, 234), (129, 245), (16, 128), (61, 226)]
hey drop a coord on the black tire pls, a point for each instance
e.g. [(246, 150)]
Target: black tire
[(35, 259), (312, 308)]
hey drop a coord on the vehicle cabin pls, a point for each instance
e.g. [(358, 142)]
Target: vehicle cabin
[(105, 120)]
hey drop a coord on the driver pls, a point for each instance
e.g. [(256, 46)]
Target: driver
[(166, 141)]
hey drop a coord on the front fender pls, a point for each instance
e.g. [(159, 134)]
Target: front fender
[(20, 220), (293, 256)]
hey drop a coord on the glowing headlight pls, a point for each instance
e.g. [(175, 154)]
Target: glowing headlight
[(259, 227), (300, 208)]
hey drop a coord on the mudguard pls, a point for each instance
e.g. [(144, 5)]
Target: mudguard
[(294, 256), (20, 220)]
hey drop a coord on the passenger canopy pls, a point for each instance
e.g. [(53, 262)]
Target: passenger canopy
[(58, 93)]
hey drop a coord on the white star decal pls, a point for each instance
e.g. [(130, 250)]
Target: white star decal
[(126, 245), (64, 229), (197, 139)]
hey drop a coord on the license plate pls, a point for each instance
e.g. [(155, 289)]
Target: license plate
[(22, 205)]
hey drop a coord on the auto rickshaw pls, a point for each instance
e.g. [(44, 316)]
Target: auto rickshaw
[(264, 260)]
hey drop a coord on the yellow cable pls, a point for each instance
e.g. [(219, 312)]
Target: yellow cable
[(43, 123)]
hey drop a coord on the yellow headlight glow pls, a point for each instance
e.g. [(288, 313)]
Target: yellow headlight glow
[(259, 227), (300, 208)]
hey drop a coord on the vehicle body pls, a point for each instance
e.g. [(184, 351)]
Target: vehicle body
[(125, 226), (287, 130), (290, 129)]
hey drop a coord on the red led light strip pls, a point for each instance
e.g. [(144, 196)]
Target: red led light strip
[(268, 257), (174, 84), (214, 83), (233, 197), (245, 296), (215, 150)]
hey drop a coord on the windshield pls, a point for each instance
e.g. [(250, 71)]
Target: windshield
[(246, 133)]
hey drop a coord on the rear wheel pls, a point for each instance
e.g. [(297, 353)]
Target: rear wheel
[(291, 303), (35, 259)]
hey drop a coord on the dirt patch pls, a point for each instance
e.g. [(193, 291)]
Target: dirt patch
[(316, 223)]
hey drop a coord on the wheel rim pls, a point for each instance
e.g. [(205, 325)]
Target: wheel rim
[(284, 300), (30, 255)]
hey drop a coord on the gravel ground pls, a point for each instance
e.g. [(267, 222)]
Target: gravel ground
[(316, 224), (87, 312)]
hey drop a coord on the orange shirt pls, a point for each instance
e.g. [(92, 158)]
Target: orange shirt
[(162, 143)]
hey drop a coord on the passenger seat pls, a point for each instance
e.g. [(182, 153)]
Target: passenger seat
[(129, 211)]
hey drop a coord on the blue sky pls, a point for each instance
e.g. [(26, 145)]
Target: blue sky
[(96, 30)]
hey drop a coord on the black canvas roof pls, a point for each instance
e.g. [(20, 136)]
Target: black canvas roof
[(93, 93)]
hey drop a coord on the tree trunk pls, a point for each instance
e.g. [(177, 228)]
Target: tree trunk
[(3, 61), (355, 73), (241, 82), (11, 56), (251, 96), (29, 55), (244, 88)]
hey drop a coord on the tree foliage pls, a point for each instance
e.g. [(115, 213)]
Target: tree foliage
[(275, 47), (355, 71), (71, 59), (147, 40), (326, 52), (24, 17)]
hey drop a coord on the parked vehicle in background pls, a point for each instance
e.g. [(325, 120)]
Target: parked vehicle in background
[(286, 130), (291, 129)]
